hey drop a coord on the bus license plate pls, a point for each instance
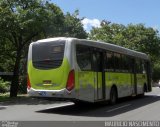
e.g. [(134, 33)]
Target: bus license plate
[(42, 93)]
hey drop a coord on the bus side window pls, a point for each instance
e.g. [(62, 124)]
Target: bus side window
[(144, 67), (96, 61), (131, 65), (117, 62), (139, 67), (83, 55), (125, 63), (109, 63)]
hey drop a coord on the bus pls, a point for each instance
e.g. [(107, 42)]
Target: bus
[(85, 70)]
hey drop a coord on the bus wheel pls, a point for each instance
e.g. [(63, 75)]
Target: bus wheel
[(113, 96)]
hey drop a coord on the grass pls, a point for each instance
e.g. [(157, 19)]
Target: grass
[(5, 97)]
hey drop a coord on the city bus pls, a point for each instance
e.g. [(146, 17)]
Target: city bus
[(85, 70)]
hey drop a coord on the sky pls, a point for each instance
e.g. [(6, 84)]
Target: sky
[(116, 11)]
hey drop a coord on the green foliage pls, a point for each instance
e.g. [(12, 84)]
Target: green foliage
[(73, 26), (4, 86), (136, 37), (156, 72), (4, 97), (24, 21), (22, 84)]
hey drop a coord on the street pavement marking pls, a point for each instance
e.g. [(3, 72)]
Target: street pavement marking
[(114, 109)]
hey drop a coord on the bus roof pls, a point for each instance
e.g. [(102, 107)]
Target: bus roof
[(102, 45)]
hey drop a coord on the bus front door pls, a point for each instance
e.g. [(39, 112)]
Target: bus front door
[(99, 75)]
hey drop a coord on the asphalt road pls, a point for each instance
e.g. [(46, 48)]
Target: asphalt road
[(145, 108)]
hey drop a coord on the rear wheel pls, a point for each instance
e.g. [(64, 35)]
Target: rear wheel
[(113, 96)]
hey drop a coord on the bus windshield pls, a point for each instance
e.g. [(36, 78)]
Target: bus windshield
[(48, 55)]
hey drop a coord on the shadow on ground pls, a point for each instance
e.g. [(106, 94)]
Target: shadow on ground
[(31, 101), (101, 110)]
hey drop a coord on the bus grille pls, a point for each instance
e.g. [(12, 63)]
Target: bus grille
[(47, 64)]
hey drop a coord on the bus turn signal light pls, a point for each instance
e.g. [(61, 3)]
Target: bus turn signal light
[(28, 82), (70, 81)]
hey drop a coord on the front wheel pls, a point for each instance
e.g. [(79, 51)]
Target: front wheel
[(113, 96)]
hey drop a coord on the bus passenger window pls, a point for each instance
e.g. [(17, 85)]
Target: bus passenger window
[(117, 61), (83, 55), (96, 61), (109, 64), (139, 67), (144, 69), (125, 63)]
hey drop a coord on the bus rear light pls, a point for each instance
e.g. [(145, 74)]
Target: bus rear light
[(70, 81), (28, 82)]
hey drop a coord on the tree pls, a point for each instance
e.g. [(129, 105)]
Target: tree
[(73, 26), (23, 21), (144, 39), (156, 71), (135, 37)]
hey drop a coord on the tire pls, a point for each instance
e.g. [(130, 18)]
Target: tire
[(113, 96)]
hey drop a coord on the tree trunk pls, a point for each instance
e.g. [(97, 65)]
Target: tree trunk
[(15, 78)]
